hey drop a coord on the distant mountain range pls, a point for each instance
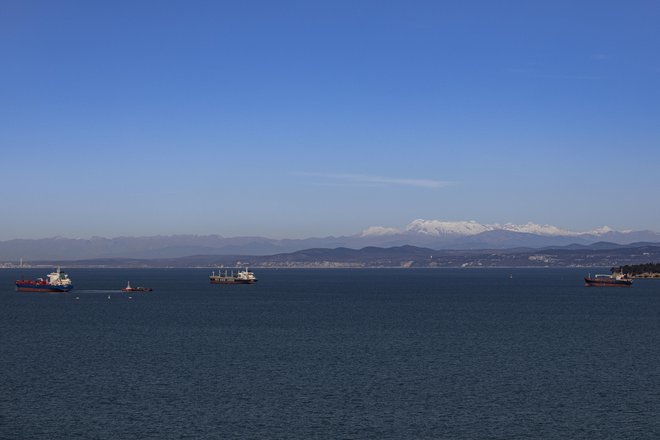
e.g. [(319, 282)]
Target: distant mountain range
[(431, 234), (600, 254)]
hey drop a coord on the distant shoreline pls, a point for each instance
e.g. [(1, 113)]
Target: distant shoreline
[(653, 275), (64, 265), (644, 270)]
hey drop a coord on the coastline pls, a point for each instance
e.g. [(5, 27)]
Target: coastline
[(649, 276)]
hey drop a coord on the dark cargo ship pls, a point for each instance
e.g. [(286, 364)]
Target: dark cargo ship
[(600, 280), (242, 277)]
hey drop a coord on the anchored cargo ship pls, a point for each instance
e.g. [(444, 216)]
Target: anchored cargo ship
[(57, 281), (242, 277), (601, 280)]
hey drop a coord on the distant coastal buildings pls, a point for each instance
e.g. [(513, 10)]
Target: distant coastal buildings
[(13, 265)]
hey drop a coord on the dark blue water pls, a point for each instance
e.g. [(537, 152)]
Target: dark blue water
[(341, 354)]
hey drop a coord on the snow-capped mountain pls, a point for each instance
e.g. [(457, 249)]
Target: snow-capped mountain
[(439, 228), (471, 234), (533, 228)]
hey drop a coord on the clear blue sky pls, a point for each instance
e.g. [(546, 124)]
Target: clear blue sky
[(304, 118)]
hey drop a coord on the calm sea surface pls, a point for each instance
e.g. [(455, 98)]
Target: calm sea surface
[(331, 354)]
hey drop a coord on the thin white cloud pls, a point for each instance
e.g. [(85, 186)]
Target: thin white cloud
[(368, 180)]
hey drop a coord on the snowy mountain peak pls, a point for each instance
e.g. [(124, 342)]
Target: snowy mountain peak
[(439, 228), (533, 228), (602, 231)]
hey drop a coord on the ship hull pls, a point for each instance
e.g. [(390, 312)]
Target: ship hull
[(592, 282), (230, 280), (27, 287)]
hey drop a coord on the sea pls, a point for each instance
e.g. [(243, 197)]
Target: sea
[(330, 354)]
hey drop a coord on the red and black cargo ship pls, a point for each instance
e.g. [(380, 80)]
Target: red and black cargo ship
[(600, 280)]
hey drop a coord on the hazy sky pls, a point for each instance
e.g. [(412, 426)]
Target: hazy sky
[(310, 118)]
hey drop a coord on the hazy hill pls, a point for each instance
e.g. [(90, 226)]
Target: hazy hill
[(425, 234), (600, 254)]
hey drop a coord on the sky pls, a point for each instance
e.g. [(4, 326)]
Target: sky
[(292, 119)]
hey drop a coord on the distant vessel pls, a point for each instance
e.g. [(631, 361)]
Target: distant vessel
[(129, 288), (57, 281), (604, 280), (242, 277)]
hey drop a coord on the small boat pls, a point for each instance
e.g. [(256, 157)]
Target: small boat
[(605, 280), (241, 277), (57, 281), (130, 288)]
